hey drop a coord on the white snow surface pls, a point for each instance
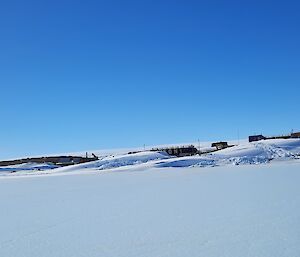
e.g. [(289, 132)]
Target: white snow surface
[(225, 211)]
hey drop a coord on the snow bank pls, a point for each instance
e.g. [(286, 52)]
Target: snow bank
[(113, 162), (260, 152), (127, 160), (187, 162), (28, 167), (246, 153)]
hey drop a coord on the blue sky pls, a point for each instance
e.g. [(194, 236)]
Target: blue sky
[(79, 75)]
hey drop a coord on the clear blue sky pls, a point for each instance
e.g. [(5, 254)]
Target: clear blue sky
[(79, 75)]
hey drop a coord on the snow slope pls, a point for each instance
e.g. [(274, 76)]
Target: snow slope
[(28, 167), (227, 211), (261, 152), (246, 153), (119, 161)]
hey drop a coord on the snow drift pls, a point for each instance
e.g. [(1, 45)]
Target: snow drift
[(261, 152)]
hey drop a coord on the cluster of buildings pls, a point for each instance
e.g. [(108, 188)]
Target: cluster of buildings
[(261, 137), (182, 151), (56, 160), (179, 151)]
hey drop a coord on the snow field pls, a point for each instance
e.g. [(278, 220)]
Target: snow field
[(227, 211)]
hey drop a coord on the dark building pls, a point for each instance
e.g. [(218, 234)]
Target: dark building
[(256, 138), (57, 160), (178, 151), (220, 145), (295, 135)]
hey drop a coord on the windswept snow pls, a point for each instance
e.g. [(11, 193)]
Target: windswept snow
[(127, 160), (226, 211), (113, 162), (246, 153), (28, 167), (261, 152)]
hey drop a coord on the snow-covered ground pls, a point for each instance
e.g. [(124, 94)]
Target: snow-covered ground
[(227, 211), (152, 204), (246, 153)]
